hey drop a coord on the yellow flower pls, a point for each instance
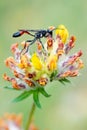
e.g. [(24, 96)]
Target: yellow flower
[(52, 65), (36, 62), (24, 63), (62, 32)]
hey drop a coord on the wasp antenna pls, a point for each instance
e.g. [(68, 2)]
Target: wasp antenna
[(55, 28)]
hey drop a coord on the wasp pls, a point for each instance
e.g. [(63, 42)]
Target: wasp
[(36, 34)]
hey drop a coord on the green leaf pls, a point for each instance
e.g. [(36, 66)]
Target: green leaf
[(53, 75), (61, 81), (23, 96), (64, 80), (10, 88), (43, 92), (36, 98)]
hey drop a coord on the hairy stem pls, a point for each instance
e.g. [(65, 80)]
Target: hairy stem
[(30, 116)]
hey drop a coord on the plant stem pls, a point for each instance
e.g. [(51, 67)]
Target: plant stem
[(30, 116)]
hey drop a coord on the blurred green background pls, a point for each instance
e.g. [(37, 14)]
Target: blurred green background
[(66, 109)]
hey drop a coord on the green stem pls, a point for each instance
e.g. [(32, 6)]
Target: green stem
[(30, 116)]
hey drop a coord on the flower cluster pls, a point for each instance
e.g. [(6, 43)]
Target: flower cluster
[(32, 70), (13, 122)]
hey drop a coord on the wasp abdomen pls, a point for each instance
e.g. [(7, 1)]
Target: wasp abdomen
[(18, 34)]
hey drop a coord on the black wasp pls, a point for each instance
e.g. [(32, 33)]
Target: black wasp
[(36, 34)]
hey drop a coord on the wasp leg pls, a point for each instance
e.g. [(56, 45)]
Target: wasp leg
[(42, 44), (31, 42), (25, 47), (44, 50)]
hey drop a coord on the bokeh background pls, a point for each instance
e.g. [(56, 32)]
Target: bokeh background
[(66, 109)]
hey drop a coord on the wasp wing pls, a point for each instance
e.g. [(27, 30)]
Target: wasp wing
[(30, 30)]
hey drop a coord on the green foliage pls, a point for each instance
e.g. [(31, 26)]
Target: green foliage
[(35, 93), (64, 80), (22, 96), (36, 98), (43, 92), (53, 75), (10, 88)]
